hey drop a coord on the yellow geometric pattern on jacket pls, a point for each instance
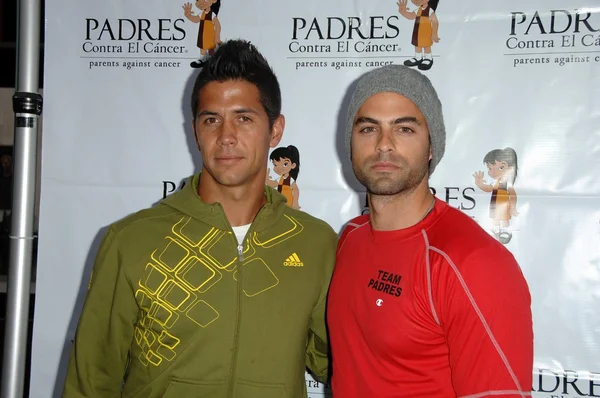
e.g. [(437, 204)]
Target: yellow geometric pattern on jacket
[(188, 265)]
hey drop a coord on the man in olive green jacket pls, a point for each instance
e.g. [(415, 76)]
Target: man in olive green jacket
[(220, 290)]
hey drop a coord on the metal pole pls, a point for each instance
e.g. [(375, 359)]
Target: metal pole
[(27, 105)]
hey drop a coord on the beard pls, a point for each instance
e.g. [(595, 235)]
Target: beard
[(401, 180)]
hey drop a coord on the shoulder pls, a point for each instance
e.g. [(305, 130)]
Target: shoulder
[(311, 224), (459, 248), (353, 225), (455, 231), (142, 219)]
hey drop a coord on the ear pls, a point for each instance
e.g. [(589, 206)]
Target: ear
[(277, 131), (430, 153), (294, 166)]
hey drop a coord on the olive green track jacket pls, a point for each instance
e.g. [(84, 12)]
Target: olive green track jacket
[(176, 308)]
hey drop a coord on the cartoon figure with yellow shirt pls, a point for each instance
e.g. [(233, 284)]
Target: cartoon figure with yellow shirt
[(425, 31), (502, 167), (286, 164), (209, 31)]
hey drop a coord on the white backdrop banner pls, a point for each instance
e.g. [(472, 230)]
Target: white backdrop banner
[(519, 81)]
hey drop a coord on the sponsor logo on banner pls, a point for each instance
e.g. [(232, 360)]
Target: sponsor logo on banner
[(502, 167), (341, 42), (562, 384), (558, 37), (135, 42)]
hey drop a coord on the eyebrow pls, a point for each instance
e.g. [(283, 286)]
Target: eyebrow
[(237, 111), (405, 119)]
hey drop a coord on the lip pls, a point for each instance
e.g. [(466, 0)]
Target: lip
[(228, 159), (384, 166)]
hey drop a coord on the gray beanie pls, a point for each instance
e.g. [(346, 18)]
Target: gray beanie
[(411, 84)]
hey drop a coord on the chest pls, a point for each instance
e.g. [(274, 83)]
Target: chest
[(194, 263), (381, 290)]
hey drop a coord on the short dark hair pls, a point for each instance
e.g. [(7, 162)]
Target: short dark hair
[(240, 60)]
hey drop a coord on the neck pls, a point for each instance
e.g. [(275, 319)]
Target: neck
[(240, 203), (400, 211)]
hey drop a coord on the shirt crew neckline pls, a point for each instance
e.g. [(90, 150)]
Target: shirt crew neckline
[(405, 233)]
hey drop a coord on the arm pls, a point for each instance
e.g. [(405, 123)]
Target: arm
[(480, 183), (485, 313), (404, 12), (187, 12), (270, 182), (434, 28), (295, 196), (317, 351), (512, 194), (100, 351), (217, 30)]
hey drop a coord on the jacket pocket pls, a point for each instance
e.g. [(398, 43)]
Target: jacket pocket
[(252, 389), (180, 388)]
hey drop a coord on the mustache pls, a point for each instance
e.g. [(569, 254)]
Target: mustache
[(387, 158)]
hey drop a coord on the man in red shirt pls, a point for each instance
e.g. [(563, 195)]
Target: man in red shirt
[(423, 302)]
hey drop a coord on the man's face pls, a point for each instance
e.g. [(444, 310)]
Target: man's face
[(232, 132), (390, 145)]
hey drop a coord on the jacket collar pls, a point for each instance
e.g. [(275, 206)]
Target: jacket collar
[(189, 202)]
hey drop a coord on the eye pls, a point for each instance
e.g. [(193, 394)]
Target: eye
[(285, 164), (501, 167), (368, 129), (406, 130), (210, 120), (244, 119)]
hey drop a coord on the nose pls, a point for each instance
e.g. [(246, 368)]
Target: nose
[(227, 134), (385, 142)]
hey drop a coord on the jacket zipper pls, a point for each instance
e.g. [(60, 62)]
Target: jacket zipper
[(240, 251)]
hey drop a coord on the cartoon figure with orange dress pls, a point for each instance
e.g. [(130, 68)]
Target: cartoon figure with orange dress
[(425, 31), (209, 31), (502, 167), (286, 164)]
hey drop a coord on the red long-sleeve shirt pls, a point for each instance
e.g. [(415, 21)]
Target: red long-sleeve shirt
[(440, 309)]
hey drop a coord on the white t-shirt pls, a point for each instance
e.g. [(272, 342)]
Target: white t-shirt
[(240, 232)]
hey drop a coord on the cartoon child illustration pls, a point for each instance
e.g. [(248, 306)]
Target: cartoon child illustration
[(502, 167), (425, 32), (286, 164), (209, 31)]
